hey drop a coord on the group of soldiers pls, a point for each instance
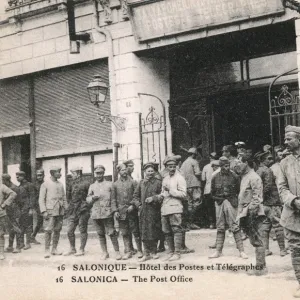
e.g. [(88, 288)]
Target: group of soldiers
[(246, 194)]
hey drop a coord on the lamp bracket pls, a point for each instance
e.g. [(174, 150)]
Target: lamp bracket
[(119, 122)]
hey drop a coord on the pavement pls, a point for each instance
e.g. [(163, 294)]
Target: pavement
[(29, 276)]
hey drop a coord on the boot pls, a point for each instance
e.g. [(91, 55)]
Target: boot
[(72, 241), (219, 243), (114, 240), (2, 248), (27, 244), (280, 239), (260, 263), (161, 245), (11, 238), (144, 258), (133, 251), (47, 244), (103, 245), (9, 249), (185, 249), (296, 263), (54, 251), (139, 246), (266, 240), (178, 246), (170, 242), (83, 240), (34, 241), (126, 247), (81, 252), (239, 244)]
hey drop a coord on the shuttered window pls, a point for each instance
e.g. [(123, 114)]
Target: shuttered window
[(14, 115), (65, 118)]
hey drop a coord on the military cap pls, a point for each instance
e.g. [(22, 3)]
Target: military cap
[(55, 168), (215, 163), (148, 165), (76, 168), (21, 173), (290, 128), (120, 166), (223, 160), (278, 148), (267, 148), (128, 162), (264, 155), (213, 155), (170, 159), (192, 150), (99, 168), (257, 155), (240, 144), (40, 171), (6, 177)]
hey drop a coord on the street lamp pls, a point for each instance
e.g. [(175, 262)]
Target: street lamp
[(98, 90)]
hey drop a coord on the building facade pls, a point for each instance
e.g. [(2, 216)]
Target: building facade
[(181, 72)]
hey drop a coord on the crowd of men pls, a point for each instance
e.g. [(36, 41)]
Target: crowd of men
[(244, 193)]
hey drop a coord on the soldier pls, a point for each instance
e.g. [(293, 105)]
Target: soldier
[(208, 203), (27, 196), (13, 213), (278, 158), (190, 170), (225, 187), (251, 212), (230, 152), (37, 216), (53, 204), (127, 214), (7, 196), (271, 202), (78, 212), (289, 189), (103, 210), (147, 198), (173, 192)]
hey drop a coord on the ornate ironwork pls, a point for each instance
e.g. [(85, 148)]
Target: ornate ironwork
[(124, 5), (119, 122), (107, 10), (152, 117)]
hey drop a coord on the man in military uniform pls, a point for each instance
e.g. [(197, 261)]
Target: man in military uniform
[(289, 189), (271, 202), (103, 209), (27, 196), (13, 213), (230, 152), (53, 204), (78, 212), (190, 170), (225, 187), (37, 216), (7, 196), (127, 214)]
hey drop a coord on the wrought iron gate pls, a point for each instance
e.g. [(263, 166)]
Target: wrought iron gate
[(153, 130), (284, 109)]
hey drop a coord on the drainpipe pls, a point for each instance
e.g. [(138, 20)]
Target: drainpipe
[(112, 79)]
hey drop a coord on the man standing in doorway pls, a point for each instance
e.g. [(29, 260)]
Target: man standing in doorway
[(53, 204), (289, 189), (271, 202), (78, 212), (173, 192), (13, 213), (28, 198), (225, 187), (190, 170), (37, 216)]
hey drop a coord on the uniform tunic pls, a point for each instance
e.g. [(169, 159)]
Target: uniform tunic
[(150, 216)]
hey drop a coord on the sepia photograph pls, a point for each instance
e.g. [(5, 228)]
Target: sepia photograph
[(149, 149)]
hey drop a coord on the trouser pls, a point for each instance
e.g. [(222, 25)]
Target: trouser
[(149, 247), (273, 213), (14, 230), (254, 227), (73, 221), (26, 227), (129, 227), (194, 203), (106, 226), (293, 238), (208, 210), (3, 228), (53, 224), (172, 228), (226, 218), (37, 222)]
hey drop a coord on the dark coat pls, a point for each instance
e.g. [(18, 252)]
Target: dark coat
[(150, 215)]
